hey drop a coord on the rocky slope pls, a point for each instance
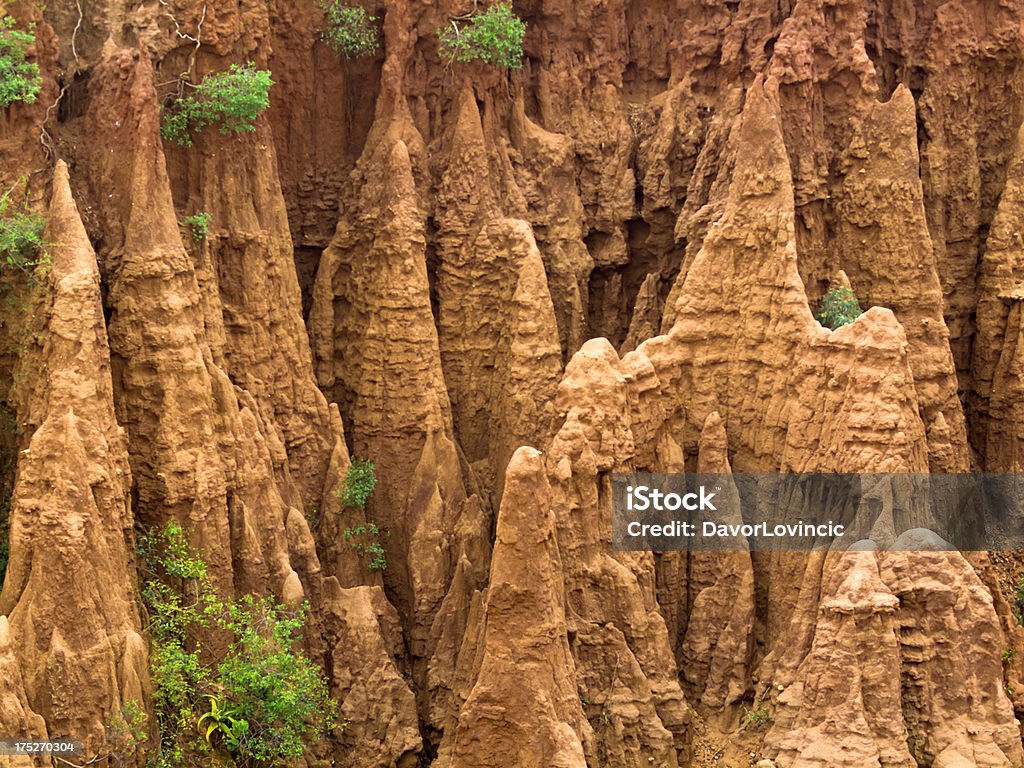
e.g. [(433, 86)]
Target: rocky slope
[(503, 287)]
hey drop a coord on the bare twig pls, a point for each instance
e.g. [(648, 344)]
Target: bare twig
[(196, 40), (74, 35)]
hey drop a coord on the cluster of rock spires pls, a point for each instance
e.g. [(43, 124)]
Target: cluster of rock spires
[(503, 288)]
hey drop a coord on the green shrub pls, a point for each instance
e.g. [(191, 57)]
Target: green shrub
[(19, 78), (21, 235), (232, 100), (126, 733), (1018, 600), (839, 307), (360, 480), (758, 717), (494, 36), (350, 32), (258, 703), (365, 539), (198, 225)]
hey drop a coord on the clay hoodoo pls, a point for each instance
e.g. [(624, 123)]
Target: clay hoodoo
[(70, 666)]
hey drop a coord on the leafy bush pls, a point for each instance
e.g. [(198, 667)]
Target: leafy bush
[(494, 36), (758, 717), (839, 307), (360, 480), (350, 32), (371, 549), (232, 99), (126, 733), (19, 78), (260, 702), (21, 235), (199, 225)]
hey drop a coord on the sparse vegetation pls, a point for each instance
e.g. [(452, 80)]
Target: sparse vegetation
[(360, 480), (839, 307), (1018, 600), (126, 734), (365, 539), (494, 36), (21, 235), (1008, 654), (313, 518), (19, 78), (758, 716), (231, 100), (260, 702), (349, 31), (198, 225)]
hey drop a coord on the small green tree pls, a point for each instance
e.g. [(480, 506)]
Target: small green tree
[(126, 734), (360, 480), (365, 539), (19, 78), (258, 704), (21, 235), (198, 225), (494, 36), (349, 31), (231, 100), (839, 307)]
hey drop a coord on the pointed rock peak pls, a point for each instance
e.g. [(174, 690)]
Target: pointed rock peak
[(73, 251), (469, 129), (840, 280), (524, 480), (597, 349), (766, 171), (902, 100), (857, 586), (876, 328), (397, 174), (713, 448)]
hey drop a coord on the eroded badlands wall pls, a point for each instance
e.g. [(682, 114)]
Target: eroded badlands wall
[(502, 287)]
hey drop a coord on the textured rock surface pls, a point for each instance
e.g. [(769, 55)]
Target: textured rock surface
[(71, 664), (611, 255)]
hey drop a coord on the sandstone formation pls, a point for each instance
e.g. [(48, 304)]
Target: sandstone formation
[(502, 287)]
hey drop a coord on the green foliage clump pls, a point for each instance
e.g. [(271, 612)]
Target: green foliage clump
[(757, 717), (494, 36), (232, 99), (19, 78), (198, 225), (350, 32), (360, 480), (839, 307), (258, 703), (1018, 600), (21, 235), (126, 733), (365, 539)]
